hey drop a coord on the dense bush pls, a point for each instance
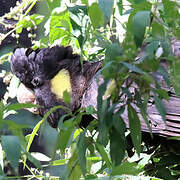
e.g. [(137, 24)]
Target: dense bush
[(96, 30)]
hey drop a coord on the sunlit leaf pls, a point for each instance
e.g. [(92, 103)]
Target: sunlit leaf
[(29, 21), (126, 168), (1, 112), (96, 16), (60, 26), (120, 7), (53, 4), (58, 162)]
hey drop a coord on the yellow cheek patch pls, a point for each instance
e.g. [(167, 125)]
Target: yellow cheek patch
[(60, 83)]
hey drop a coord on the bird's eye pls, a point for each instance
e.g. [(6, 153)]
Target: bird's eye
[(36, 82)]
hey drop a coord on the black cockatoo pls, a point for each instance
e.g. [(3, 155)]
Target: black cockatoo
[(49, 72)]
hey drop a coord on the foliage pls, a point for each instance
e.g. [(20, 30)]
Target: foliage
[(94, 31)]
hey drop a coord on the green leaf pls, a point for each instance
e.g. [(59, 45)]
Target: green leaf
[(157, 30), (117, 138), (103, 154), (37, 18), (162, 93), (19, 106), (1, 160), (58, 162), (135, 128), (138, 1), (139, 23), (80, 21), (60, 26), (11, 145), (96, 16), (63, 139), (117, 146), (103, 126), (33, 160), (101, 113), (1, 171), (160, 107), (120, 7), (36, 128), (17, 130), (1, 112), (126, 168), (24, 118), (74, 167), (66, 97), (175, 76), (142, 106), (151, 48), (150, 63), (29, 21), (93, 176), (112, 55), (94, 158), (107, 8), (133, 68), (77, 32), (165, 173), (129, 47), (165, 75), (85, 2), (53, 4), (170, 159), (171, 18), (113, 51), (78, 9), (175, 138), (81, 148)]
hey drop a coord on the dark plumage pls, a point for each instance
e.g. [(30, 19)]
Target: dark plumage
[(23, 66), (35, 69)]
